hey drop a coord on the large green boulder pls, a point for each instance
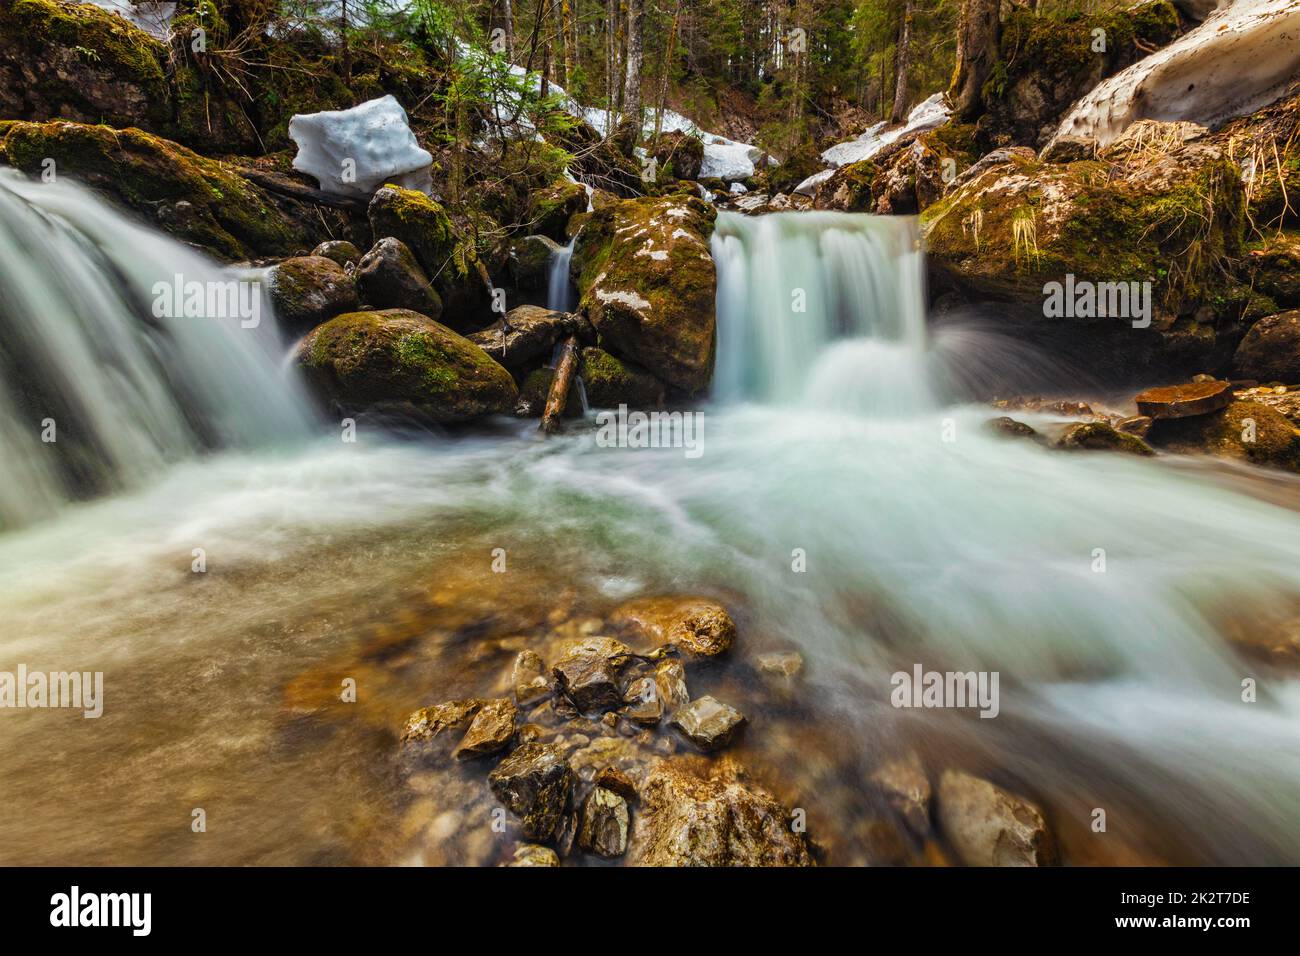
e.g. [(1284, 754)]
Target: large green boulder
[(403, 363), (646, 281)]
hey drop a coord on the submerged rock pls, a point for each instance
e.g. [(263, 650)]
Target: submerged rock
[(709, 723), (309, 290), (400, 362), (590, 674), (696, 815), (1101, 436), (989, 826), (534, 782), (353, 152), (644, 706), (430, 731), (1007, 427), (490, 731), (390, 278), (529, 679), (904, 782), (604, 823), (670, 680), (1270, 351), (532, 854), (698, 627)]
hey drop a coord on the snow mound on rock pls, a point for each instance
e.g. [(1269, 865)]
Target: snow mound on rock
[(154, 19), (355, 151), (928, 114), (1239, 60)]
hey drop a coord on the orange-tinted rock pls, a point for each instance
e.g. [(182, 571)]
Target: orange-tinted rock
[(1184, 401)]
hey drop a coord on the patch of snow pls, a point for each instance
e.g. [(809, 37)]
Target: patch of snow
[(154, 19), (928, 114), (809, 185), (1239, 60), (353, 152), (738, 189), (630, 299)]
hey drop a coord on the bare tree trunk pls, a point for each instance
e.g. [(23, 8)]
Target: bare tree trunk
[(508, 24), (558, 399), (903, 58), (978, 34), (568, 43), (666, 69), (611, 63), (343, 37)]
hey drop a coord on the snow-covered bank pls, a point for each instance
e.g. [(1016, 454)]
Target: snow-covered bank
[(1240, 59)]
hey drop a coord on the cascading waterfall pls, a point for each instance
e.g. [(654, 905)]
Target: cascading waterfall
[(825, 308), (96, 389), (560, 295)]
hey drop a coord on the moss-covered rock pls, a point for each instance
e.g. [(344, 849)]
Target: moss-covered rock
[(1270, 352), (449, 256), (647, 281), (1244, 430), (1274, 269), (530, 264), (308, 290), (400, 362), (535, 390), (1101, 436), (550, 209), (198, 200), (611, 382), (390, 278), (1047, 62), (81, 62), (1163, 212)]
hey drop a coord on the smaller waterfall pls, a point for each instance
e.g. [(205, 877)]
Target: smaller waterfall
[(825, 308), (560, 294)]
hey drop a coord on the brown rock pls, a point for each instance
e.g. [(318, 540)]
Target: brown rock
[(1270, 351), (694, 815), (709, 723), (427, 728), (670, 679), (611, 778), (989, 826), (904, 782), (603, 825), (644, 705), (532, 854), (698, 627), (534, 782), (1184, 401), (309, 290), (490, 731), (529, 679), (590, 674), (1101, 436), (1244, 430)]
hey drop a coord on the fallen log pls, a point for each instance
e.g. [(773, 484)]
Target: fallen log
[(282, 185), (566, 370)]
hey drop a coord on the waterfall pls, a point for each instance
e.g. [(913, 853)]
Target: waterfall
[(119, 352), (825, 308), (559, 289)]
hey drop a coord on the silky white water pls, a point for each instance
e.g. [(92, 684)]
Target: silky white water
[(1118, 689)]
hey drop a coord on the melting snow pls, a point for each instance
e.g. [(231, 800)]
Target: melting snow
[(355, 151)]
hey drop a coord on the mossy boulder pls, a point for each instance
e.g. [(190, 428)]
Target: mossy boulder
[(400, 362), (308, 290), (550, 209), (851, 188), (611, 382), (390, 278), (1047, 62), (1274, 269), (80, 62), (646, 281), (201, 201), (1270, 352), (679, 155), (1247, 431), (1166, 212), (449, 257), (528, 335)]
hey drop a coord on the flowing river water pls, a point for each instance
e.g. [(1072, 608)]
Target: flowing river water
[(830, 435)]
